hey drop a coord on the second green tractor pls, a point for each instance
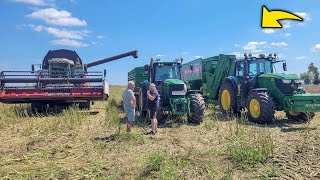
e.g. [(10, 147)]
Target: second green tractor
[(175, 100)]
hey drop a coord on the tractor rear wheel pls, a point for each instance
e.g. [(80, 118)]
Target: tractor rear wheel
[(261, 108), (197, 108), (300, 116), (142, 103), (85, 105), (228, 98)]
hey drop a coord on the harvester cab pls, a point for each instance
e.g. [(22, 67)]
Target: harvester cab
[(174, 98)]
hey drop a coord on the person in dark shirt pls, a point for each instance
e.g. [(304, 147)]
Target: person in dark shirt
[(153, 105)]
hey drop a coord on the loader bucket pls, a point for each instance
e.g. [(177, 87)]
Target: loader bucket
[(306, 103)]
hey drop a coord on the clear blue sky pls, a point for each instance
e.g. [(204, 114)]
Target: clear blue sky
[(166, 29)]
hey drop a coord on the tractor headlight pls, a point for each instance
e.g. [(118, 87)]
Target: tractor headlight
[(299, 81), (286, 81)]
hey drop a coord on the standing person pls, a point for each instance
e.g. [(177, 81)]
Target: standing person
[(153, 105), (129, 104)]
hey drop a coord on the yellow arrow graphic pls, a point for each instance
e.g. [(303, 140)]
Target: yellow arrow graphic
[(270, 19)]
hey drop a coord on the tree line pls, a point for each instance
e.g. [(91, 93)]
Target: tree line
[(311, 76)]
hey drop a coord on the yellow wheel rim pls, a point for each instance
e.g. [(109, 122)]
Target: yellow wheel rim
[(293, 113), (254, 108), (225, 100)]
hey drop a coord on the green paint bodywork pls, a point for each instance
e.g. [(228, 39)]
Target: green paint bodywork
[(178, 105), (218, 69)]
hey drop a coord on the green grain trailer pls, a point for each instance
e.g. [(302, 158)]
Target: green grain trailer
[(250, 83)]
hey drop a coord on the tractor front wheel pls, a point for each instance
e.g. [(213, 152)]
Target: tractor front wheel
[(261, 108), (300, 116), (197, 108)]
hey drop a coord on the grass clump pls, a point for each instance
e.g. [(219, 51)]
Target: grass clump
[(249, 145)]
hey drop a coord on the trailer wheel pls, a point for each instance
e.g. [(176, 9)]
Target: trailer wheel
[(261, 108), (228, 98), (85, 105), (197, 108), (300, 116)]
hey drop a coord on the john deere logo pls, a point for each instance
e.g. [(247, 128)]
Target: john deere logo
[(312, 105)]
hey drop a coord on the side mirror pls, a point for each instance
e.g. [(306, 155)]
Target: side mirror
[(32, 68), (104, 73), (285, 66), (146, 68), (191, 67)]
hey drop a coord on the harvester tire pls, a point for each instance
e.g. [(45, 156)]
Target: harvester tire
[(39, 107), (301, 116), (197, 109), (261, 108), (85, 105), (228, 98)]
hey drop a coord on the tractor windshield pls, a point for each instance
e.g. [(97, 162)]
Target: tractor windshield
[(167, 72), (260, 66)]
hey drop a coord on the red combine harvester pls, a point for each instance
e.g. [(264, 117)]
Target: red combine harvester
[(62, 79)]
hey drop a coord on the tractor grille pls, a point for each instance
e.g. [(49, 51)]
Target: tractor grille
[(179, 107), (175, 87), (287, 88)]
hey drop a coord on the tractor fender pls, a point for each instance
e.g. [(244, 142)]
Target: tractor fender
[(233, 80), (258, 90)]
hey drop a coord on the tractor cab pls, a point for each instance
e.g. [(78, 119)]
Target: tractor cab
[(60, 67), (159, 71)]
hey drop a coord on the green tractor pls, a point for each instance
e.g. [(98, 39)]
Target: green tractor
[(174, 97), (252, 83)]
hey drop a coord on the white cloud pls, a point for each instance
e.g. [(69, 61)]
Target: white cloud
[(61, 33), (304, 15), (279, 44), (185, 53), (286, 34), (100, 37), (160, 55), (32, 2), (316, 47), (56, 17), (269, 31), (301, 58), (286, 25), (198, 57), (237, 54), (68, 42), (253, 45), (237, 45)]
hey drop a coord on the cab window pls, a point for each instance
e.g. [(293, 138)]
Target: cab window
[(239, 69)]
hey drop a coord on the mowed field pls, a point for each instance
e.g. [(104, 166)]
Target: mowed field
[(74, 144)]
